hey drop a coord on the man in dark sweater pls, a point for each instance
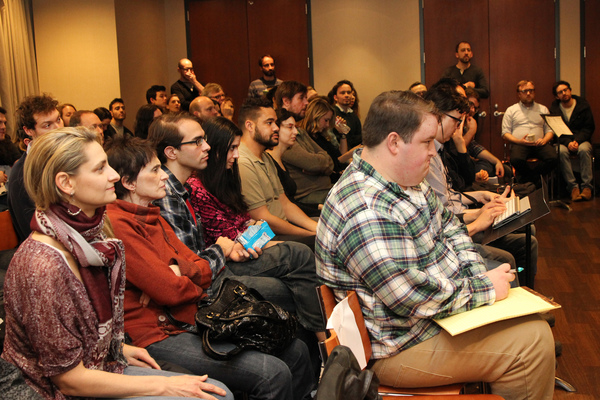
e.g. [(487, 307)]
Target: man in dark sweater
[(577, 115), (187, 87), (466, 73)]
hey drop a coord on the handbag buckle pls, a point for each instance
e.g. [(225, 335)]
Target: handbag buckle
[(239, 291)]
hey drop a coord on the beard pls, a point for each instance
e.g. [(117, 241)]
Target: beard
[(270, 72), (268, 143)]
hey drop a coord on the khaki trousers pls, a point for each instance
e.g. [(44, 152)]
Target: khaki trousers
[(515, 356)]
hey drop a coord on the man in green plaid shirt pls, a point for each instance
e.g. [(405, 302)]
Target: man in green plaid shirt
[(384, 234)]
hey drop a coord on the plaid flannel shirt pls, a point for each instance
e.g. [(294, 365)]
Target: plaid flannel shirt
[(409, 259), (174, 209)]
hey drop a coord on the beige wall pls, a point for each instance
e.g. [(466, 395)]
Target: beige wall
[(77, 50), (374, 44)]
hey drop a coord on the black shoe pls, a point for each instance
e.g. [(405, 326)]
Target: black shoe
[(557, 348)]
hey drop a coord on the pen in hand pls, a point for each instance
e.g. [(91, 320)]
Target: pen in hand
[(514, 271)]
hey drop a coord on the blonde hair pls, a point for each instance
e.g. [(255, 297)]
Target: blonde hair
[(62, 150), (317, 109)]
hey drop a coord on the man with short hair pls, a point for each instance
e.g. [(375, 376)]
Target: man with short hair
[(524, 128), (384, 234), (577, 115), (418, 88), (157, 95), (116, 127), (215, 92), (466, 73), (267, 81), (261, 187), (36, 115), (341, 96), (285, 272), (203, 108), (187, 88), (89, 120)]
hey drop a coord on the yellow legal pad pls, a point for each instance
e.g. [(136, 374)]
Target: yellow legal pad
[(521, 301)]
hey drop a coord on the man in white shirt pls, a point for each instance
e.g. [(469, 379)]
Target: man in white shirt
[(524, 127)]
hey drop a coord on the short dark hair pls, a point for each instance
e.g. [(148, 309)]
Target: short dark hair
[(283, 114), (128, 155), (459, 43), (397, 111), (32, 105), (154, 89), (143, 119), (61, 107), (3, 111), (557, 84), (76, 117), (225, 184), (445, 97), (287, 90), (102, 113), (251, 108), (334, 89), (417, 83), (164, 132), (116, 100), (260, 60)]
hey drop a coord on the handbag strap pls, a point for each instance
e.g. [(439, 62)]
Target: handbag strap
[(214, 353), (180, 324)]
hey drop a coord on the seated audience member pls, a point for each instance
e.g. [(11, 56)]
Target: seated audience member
[(203, 108), (283, 273), (319, 124), (88, 120), (214, 91), (529, 136), (486, 164), (164, 274), (105, 118), (117, 110), (577, 115), (287, 138), (66, 110), (311, 93), (9, 152), (291, 95), (261, 188), (425, 266), (418, 88), (144, 117), (267, 81), (340, 96), (227, 108), (157, 95), (187, 88), (452, 104), (310, 167), (173, 104), (354, 103), (36, 115), (78, 350)]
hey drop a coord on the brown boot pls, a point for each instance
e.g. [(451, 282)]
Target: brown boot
[(575, 194), (586, 194)]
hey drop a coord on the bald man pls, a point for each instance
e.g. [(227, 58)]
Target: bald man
[(204, 108), (187, 87)]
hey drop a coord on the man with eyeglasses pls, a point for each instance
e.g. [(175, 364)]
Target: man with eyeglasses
[(577, 115), (187, 87), (524, 128)]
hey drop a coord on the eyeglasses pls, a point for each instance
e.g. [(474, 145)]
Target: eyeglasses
[(562, 91), (458, 120), (527, 91), (198, 141)]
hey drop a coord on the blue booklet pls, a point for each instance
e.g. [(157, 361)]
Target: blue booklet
[(256, 235)]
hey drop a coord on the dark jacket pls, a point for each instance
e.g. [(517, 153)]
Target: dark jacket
[(581, 122)]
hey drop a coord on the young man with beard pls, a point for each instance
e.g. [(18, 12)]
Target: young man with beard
[(263, 84), (577, 115), (466, 73), (261, 187)]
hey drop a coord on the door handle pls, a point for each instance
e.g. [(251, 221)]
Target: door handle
[(498, 113), (482, 114)]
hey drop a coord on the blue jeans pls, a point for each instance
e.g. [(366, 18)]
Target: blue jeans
[(584, 153), (284, 274), (261, 376), (138, 371)]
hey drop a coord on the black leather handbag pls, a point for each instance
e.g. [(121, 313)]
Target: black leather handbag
[(241, 317), (343, 379)]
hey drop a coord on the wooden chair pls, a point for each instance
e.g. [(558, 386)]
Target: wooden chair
[(328, 302)]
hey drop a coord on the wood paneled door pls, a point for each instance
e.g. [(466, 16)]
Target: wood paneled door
[(511, 40), (227, 37)]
